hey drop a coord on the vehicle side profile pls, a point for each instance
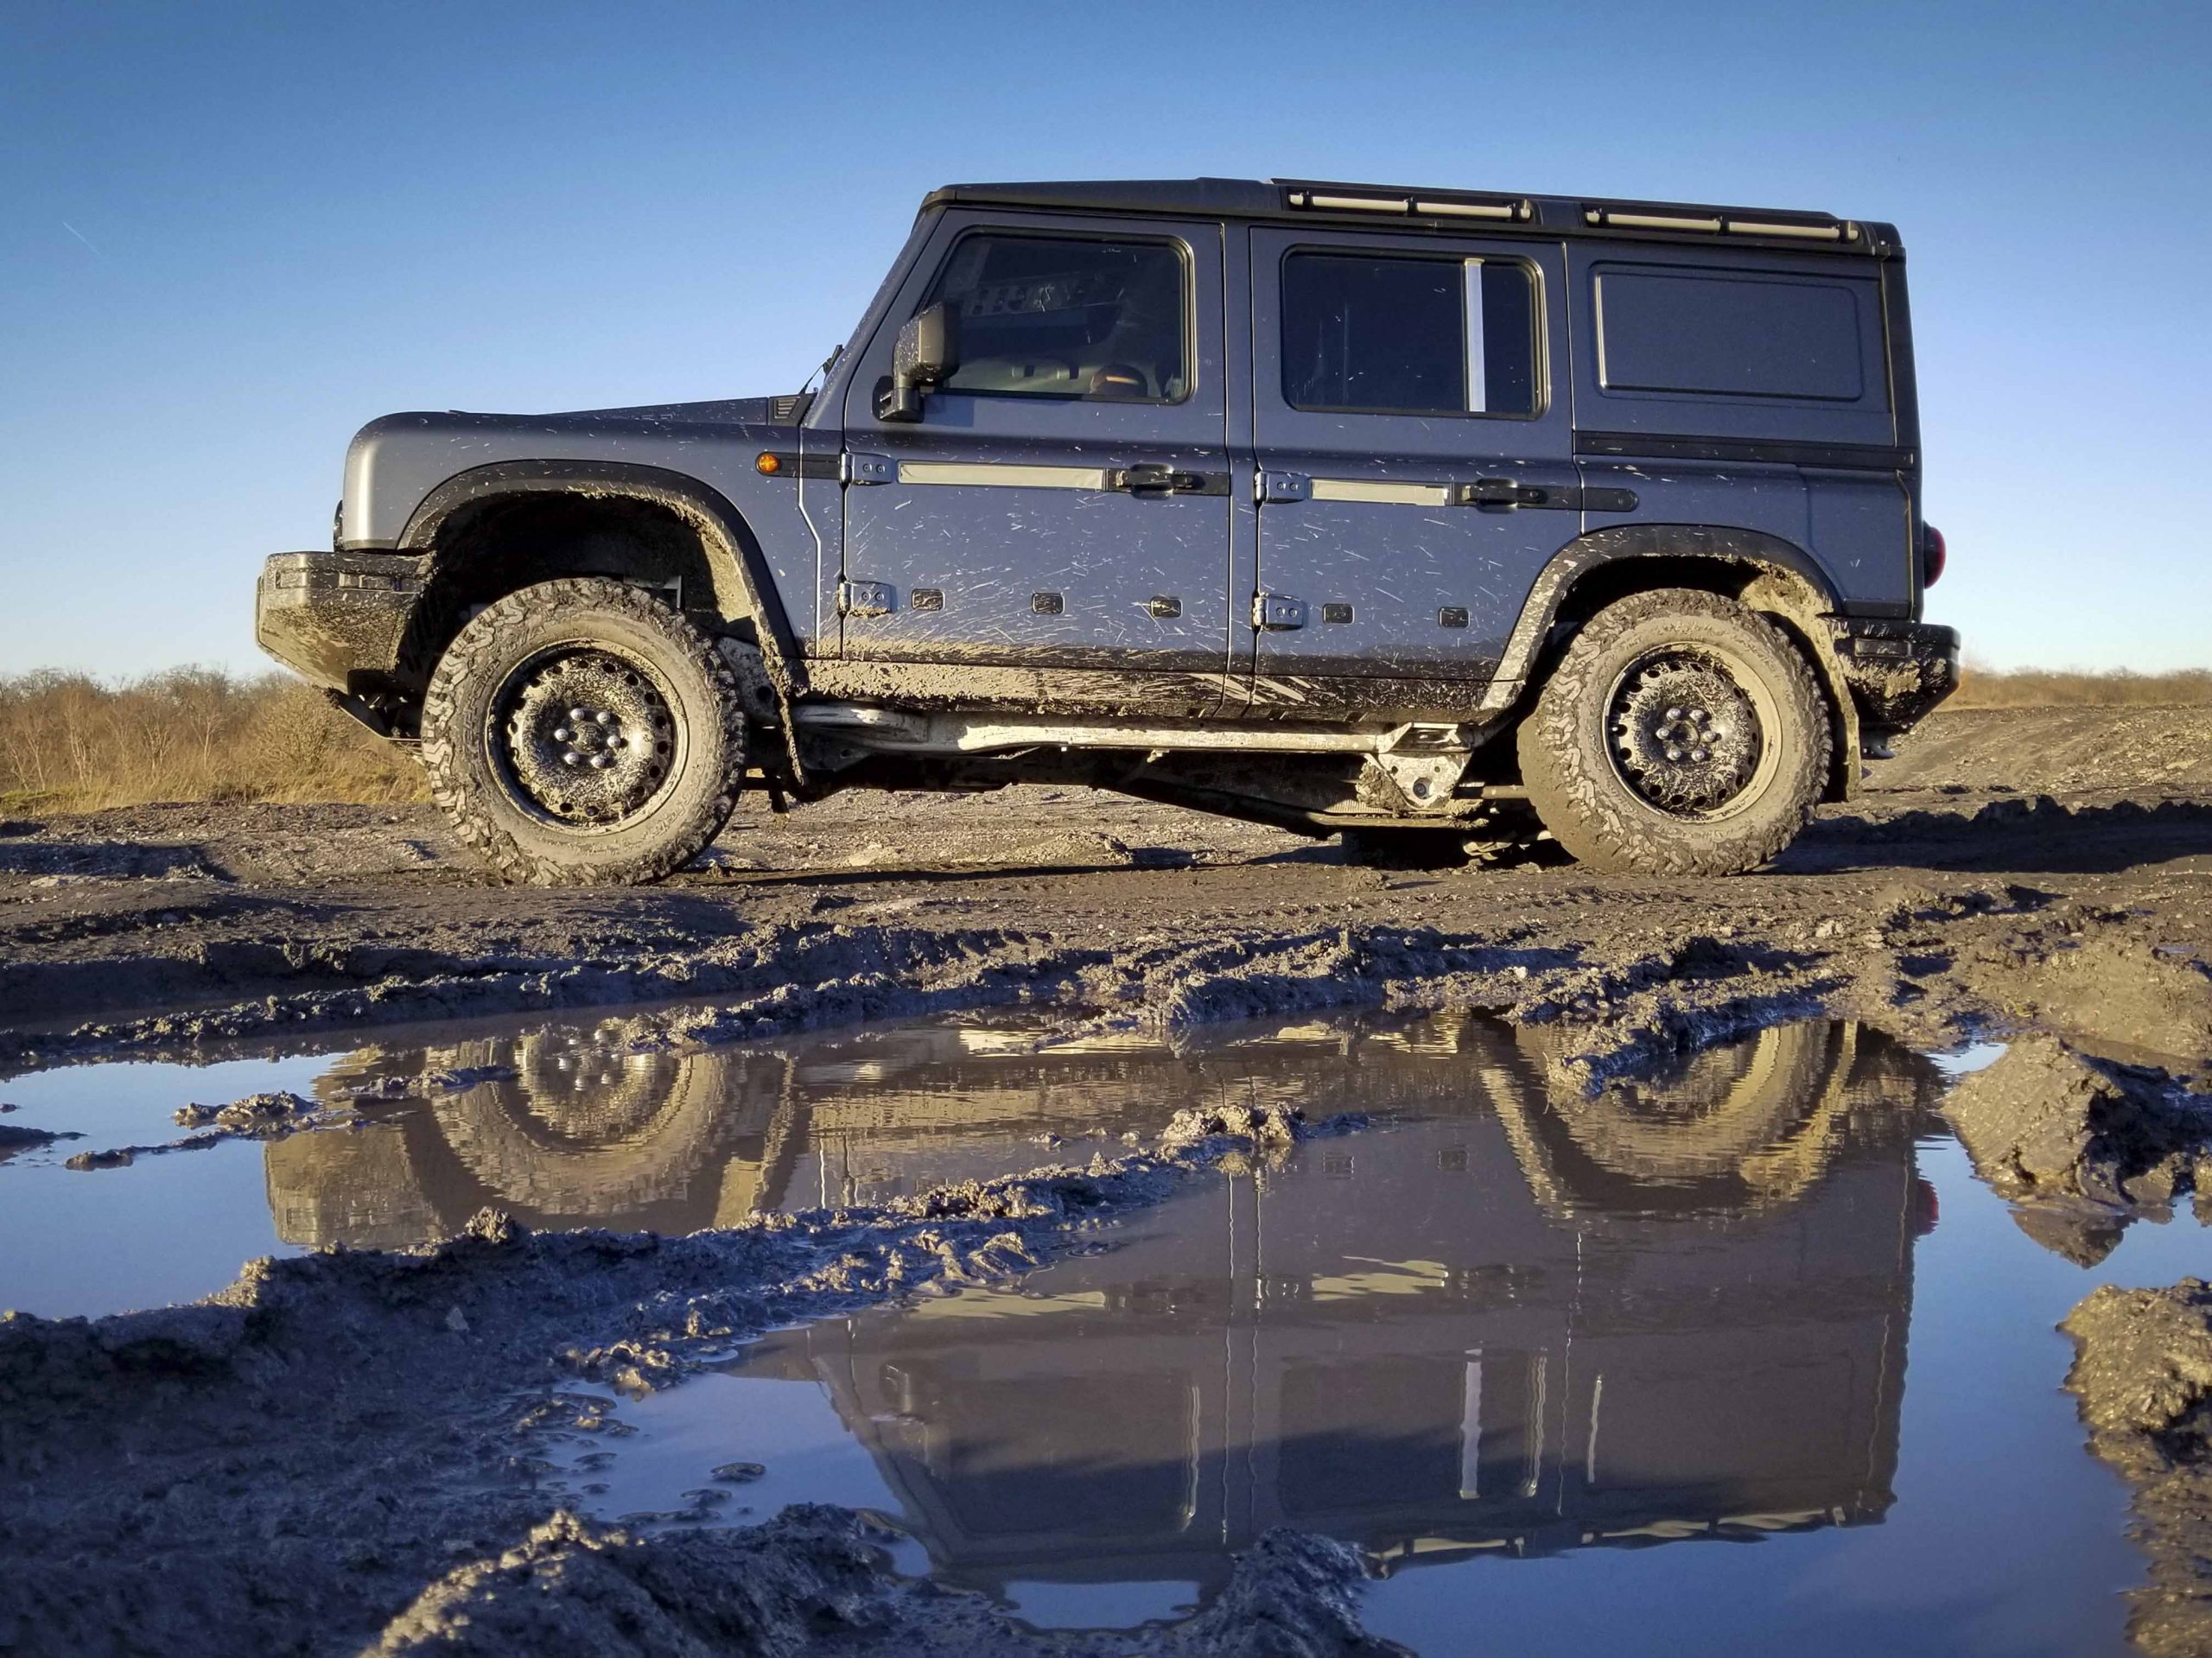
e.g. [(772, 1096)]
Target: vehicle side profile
[(1436, 519)]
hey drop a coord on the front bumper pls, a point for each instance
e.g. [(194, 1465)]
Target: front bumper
[(1897, 671), (337, 619)]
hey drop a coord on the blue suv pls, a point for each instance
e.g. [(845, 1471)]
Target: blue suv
[(1438, 520)]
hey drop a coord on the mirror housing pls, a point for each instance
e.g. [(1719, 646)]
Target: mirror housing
[(927, 353)]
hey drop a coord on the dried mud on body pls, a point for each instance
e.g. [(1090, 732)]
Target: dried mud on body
[(170, 1471)]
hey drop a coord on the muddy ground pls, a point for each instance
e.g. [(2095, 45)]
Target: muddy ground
[(2037, 870)]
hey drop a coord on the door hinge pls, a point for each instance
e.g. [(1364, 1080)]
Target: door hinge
[(1274, 613), (1282, 486), (860, 468), (864, 599)]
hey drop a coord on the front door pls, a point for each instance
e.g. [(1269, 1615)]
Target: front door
[(1056, 524), (1416, 470)]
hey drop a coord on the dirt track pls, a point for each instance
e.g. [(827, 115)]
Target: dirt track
[(2012, 870), (1978, 878)]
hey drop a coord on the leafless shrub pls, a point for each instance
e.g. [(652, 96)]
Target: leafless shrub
[(2118, 688), (71, 742)]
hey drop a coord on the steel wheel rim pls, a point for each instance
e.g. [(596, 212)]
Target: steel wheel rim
[(1689, 730), (585, 738)]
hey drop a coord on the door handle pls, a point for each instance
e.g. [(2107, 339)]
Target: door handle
[(1153, 479), (1504, 492)]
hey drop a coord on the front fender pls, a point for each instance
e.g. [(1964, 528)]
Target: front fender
[(745, 583)]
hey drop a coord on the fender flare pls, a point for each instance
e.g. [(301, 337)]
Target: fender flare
[(1780, 578), (732, 553)]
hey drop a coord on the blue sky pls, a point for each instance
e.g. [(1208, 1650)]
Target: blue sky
[(230, 233)]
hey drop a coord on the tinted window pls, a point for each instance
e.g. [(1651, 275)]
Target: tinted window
[(1728, 335), (1068, 317), (1412, 336)]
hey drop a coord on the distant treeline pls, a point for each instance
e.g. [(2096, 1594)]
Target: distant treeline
[(71, 742), (2118, 688)]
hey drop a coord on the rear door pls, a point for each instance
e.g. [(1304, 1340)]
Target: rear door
[(1057, 525), (1416, 469)]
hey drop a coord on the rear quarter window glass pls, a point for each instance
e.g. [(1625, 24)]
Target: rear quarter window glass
[(1729, 334)]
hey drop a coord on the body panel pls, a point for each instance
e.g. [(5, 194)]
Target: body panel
[(1001, 510), (1425, 587)]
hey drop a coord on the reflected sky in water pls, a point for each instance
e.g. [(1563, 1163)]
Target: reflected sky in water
[(1678, 1367)]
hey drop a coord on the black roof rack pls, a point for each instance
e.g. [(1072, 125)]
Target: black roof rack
[(1305, 200)]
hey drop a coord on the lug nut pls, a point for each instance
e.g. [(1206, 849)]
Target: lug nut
[(600, 762), (571, 758), (560, 734), (576, 714), (1698, 754), (604, 717), (1674, 753)]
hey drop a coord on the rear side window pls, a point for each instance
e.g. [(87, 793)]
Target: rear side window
[(1728, 335), (1409, 336), (1069, 317)]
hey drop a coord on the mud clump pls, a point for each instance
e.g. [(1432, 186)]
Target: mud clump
[(814, 1581), (2129, 991), (2049, 1123), (2143, 1373), (255, 1114), (1266, 1127)]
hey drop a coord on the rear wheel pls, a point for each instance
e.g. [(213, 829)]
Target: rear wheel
[(1682, 733), (580, 732)]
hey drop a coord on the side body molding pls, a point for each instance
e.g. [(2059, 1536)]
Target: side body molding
[(742, 586)]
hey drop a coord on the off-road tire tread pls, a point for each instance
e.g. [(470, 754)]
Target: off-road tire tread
[(470, 656), (1572, 784)]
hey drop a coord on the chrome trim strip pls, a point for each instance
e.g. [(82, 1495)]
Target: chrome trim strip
[(1001, 476), (1367, 489), (1471, 288)]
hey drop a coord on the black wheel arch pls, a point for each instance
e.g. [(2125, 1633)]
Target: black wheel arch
[(1766, 572), (495, 527)]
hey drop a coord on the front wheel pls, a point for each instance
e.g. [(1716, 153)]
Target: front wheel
[(580, 733), (1682, 733)]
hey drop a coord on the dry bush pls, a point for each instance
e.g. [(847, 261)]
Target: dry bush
[(70, 742), (2118, 688)]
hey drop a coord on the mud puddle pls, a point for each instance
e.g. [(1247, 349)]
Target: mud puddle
[(1537, 1353), (571, 1124)]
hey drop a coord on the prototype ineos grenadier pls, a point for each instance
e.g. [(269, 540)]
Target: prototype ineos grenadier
[(1435, 519)]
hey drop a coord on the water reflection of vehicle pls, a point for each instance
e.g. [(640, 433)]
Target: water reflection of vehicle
[(1517, 1325), (570, 1128), (1523, 1319)]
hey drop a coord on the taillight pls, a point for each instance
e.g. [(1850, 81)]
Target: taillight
[(1931, 555)]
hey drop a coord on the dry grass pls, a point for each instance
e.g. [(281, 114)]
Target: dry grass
[(71, 743), (2038, 688)]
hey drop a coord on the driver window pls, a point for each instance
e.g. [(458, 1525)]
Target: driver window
[(1068, 317)]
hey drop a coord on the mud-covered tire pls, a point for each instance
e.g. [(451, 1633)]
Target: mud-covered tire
[(1579, 761), (677, 743)]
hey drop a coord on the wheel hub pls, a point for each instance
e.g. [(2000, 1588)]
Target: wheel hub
[(589, 737), (1683, 734)]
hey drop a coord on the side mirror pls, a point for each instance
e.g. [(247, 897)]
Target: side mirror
[(928, 352)]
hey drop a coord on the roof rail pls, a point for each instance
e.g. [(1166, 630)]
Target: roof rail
[(1717, 221), (1437, 204)]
